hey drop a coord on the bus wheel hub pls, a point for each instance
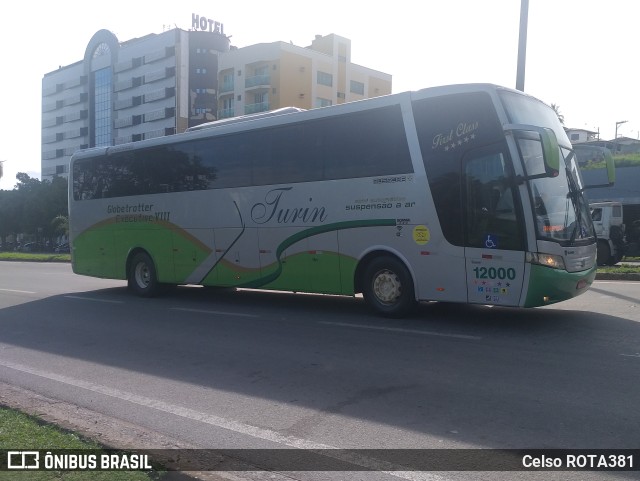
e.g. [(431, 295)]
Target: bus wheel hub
[(386, 286), (142, 275)]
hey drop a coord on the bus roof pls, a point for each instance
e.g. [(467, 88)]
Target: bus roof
[(245, 118)]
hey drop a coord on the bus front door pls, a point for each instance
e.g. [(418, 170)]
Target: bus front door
[(494, 236)]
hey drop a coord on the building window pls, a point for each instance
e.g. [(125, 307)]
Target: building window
[(357, 87), (320, 102), (102, 49), (325, 78), (575, 137), (227, 82), (102, 107)]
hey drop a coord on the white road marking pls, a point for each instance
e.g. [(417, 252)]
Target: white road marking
[(399, 329), (205, 311), (631, 355), (94, 299), (17, 291), (224, 423)]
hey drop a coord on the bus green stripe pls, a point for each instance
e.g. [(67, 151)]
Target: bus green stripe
[(322, 229)]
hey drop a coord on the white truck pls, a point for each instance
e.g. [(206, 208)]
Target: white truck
[(610, 231)]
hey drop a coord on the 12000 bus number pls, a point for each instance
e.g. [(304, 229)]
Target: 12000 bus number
[(495, 273)]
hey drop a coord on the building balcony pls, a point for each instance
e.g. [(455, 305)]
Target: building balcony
[(226, 113), (225, 88), (254, 108), (257, 81)]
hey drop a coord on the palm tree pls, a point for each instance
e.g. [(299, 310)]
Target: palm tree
[(556, 109)]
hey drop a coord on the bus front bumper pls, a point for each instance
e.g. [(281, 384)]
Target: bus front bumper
[(548, 286)]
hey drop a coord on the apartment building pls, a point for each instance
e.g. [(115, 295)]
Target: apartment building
[(268, 76)]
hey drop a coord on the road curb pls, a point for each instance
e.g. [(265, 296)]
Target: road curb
[(607, 276)]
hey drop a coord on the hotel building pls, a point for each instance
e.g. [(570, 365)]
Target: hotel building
[(162, 84)]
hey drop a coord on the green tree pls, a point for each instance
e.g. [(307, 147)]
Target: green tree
[(60, 225), (9, 215), (33, 205)]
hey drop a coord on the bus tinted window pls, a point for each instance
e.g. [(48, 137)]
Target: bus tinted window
[(227, 159), (448, 127), (361, 144), (366, 144)]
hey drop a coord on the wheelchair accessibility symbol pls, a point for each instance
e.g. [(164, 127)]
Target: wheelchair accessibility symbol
[(491, 242)]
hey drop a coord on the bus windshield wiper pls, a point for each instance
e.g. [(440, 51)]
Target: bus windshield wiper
[(573, 195)]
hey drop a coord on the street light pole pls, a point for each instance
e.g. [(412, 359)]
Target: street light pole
[(522, 44)]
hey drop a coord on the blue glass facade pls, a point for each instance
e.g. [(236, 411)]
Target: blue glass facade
[(103, 134)]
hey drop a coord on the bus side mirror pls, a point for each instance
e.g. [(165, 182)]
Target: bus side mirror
[(611, 168), (551, 151), (611, 171), (550, 147)]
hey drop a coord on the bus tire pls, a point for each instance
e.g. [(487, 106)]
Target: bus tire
[(388, 287), (603, 254), (142, 277)]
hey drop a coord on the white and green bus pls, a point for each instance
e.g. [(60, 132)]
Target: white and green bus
[(464, 193)]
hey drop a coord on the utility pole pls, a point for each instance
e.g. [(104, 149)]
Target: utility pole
[(522, 44), (615, 139)]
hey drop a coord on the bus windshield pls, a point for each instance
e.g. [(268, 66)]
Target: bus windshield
[(560, 210), (561, 216)]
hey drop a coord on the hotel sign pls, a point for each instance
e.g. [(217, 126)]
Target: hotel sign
[(199, 22)]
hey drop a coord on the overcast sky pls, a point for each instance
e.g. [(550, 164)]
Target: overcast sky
[(581, 54)]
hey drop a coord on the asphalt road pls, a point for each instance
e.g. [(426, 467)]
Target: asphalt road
[(255, 369)]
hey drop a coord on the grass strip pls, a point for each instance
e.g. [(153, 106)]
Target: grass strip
[(29, 257), (19, 431)]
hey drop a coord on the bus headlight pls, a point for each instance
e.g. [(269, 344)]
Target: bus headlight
[(547, 260)]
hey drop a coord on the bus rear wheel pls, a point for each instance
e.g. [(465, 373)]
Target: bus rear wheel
[(388, 287), (142, 278)]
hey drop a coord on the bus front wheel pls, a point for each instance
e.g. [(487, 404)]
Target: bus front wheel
[(142, 277), (388, 287)]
